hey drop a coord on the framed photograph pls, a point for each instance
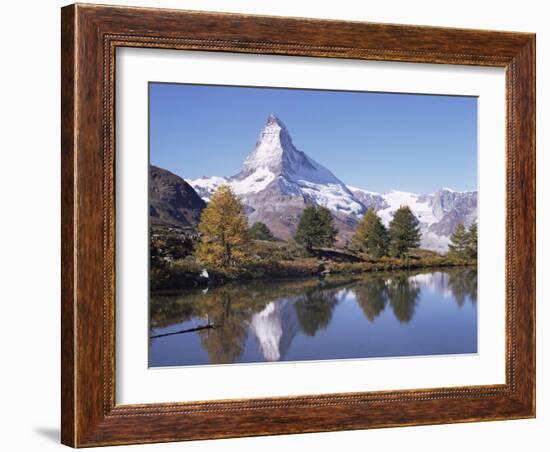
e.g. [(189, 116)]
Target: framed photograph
[(281, 225)]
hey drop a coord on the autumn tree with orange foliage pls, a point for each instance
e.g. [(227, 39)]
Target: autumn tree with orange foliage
[(224, 232)]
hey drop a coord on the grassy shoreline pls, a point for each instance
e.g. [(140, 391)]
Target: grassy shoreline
[(274, 261)]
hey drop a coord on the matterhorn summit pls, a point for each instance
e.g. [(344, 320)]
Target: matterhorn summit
[(276, 153), (273, 147)]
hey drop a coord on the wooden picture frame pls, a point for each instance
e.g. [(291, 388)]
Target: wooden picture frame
[(90, 36)]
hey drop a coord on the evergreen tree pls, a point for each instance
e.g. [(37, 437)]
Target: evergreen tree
[(260, 231), (224, 231), (328, 231), (308, 230), (404, 232), (371, 235), (471, 247), (459, 242), (316, 228)]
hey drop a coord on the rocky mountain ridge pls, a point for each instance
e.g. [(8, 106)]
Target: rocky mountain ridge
[(172, 201)]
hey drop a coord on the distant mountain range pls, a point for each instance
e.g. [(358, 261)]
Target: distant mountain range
[(277, 181)]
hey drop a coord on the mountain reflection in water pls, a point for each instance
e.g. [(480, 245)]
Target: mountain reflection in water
[(373, 315)]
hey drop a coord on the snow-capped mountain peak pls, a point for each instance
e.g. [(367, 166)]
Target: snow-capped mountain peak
[(276, 152), (274, 141), (276, 166)]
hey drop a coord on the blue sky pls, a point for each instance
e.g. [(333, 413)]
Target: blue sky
[(375, 141)]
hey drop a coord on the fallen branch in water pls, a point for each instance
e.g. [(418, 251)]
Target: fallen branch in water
[(190, 330)]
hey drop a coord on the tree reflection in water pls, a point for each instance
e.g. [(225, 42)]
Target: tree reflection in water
[(273, 313), (463, 283), (314, 309), (400, 290), (224, 343), (403, 294), (372, 296), (227, 309)]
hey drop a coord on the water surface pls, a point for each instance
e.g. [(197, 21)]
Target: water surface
[(362, 316)]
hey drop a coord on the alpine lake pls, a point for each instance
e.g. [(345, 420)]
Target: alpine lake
[(369, 315)]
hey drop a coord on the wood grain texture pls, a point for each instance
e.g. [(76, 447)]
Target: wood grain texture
[(90, 36), (68, 244)]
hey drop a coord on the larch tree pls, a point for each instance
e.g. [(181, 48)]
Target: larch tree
[(224, 231), (371, 235), (404, 232)]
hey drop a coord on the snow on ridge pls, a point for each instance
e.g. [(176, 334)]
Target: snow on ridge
[(394, 191), (312, 171), (420, 206), (333, 196), (451, 190), (253, 183), (206, 186), (207, 181), (362, 190)]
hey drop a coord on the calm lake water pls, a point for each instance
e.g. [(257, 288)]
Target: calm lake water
[(371, 315)]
